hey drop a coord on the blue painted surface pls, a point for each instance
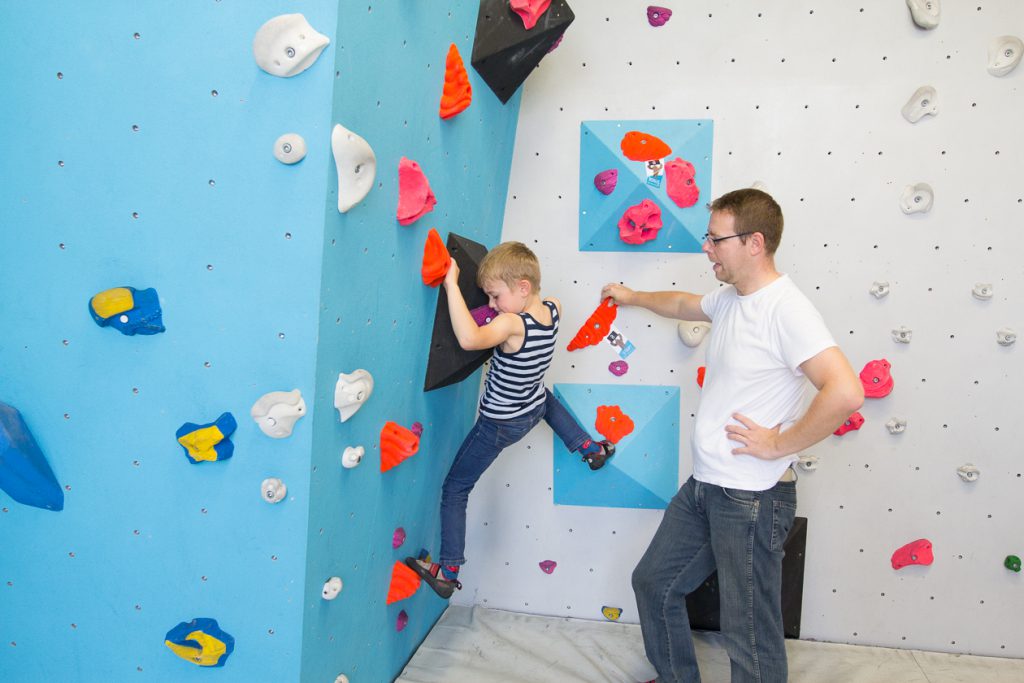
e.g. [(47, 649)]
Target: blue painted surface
[(377, 314), (600, 150), (644, 473), (25, 475)]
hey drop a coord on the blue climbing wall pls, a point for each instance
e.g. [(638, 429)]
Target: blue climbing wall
[(145, 160), (376, 314)]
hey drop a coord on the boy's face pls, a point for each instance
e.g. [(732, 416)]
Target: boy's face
[(504, 299)]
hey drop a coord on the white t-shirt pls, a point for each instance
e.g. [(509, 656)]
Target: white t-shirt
[(755, 348)]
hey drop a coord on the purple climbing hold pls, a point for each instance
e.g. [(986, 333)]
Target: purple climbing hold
[(398, 538), (605, 181), (416, 428), (402, 622), (483, 315), (618, 367), (548, 566), (657, 16)]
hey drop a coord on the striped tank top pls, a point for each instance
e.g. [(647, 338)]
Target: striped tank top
[(515, 382)]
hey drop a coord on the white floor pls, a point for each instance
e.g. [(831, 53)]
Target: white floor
[(478, 645)]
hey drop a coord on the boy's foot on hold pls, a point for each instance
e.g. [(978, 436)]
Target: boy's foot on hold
[(429, 571), (596, 453)]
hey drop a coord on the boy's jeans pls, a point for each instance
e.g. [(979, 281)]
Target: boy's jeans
[(481, 446), (739, 533)]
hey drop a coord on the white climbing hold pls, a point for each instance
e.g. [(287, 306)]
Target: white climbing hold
[(896, 425), (982, 291), (332, 587), (968, 472), (352, 456), (879, 289), (924, 102), (1004, 55), (273, 490), (290, 148), (277, 411), (351, 392), (692, 333), (342, 678), (808, 462), (917, 198), (1005, 336), (925, 13), (356, 165), (287, 45), (902, 335)]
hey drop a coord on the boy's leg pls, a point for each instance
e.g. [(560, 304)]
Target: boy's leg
[(565, 426), (676, 562)]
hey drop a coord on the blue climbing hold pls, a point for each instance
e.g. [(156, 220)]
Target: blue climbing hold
[(24, 473), (200, 641), (128, 310), (208, 442)]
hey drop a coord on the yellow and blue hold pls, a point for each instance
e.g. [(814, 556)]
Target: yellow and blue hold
[(208, 442), (128, 310), (200, 641)]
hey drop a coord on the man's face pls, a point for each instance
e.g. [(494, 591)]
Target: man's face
[(728, 255)]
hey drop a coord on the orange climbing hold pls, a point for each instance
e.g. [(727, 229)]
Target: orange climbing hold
[(396, 444), (404, 582), (457, 93), (612, 423), (436, 260), (596, 327), (700, 376), (639, 146)]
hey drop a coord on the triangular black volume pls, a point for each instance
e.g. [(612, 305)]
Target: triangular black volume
[(448, 363), (504, 52)]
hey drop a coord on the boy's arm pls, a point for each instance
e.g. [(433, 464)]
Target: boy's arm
[(678, 305), (470, 336)]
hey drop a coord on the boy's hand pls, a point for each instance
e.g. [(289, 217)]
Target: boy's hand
[(620, 294), (452, 276)]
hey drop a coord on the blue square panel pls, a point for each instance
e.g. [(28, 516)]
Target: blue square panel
[(601, 150), (644, 473)]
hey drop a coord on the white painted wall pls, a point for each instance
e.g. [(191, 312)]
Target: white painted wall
[(822, 129)]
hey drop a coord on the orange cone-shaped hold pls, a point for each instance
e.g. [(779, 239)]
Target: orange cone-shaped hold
[(457, 93), (700, 376), (404, 582), (596, 327), (436, 260), (612, 423), (396, 444)]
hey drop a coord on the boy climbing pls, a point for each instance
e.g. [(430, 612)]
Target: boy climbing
[(514, 398)]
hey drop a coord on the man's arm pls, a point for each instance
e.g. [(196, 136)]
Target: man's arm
[(839, 394), (678, 305)]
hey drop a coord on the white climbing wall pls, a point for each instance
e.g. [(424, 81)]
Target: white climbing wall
[(806, 98)]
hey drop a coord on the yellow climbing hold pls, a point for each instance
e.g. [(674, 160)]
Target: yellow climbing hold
[(208, 653), (113, 301), (611, 613), (200, 443)]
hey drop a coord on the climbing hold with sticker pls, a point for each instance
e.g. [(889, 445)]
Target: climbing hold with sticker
[(208, 442), (396, 444), (658, 16), (852, 423), (356, 165), (276, 412), (681, 183), (596, 327), (415, 198), (606, 180), (287, 45), (457, 93), (128, 310), (404, 582), (915, 552), (25, 475), (436, 260), (201, 642), (612, 423)]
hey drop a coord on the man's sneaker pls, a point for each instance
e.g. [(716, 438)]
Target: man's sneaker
[(429, 573), (597, 459)]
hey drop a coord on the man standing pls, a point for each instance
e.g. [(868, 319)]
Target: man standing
[(736, 510)]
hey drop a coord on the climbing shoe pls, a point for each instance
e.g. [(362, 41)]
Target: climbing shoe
[(429, 571)]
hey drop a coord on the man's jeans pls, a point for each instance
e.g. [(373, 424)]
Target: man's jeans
[(739, 533), (481, 446)]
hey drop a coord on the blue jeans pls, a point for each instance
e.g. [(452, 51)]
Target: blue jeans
[(485, 441), (739, 533)]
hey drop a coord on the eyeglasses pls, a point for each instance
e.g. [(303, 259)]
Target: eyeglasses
[(715, 240)]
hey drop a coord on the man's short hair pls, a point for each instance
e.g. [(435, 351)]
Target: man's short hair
[(753, 211), (510, 262)]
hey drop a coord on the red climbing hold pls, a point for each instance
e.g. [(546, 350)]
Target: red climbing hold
[(640, 223), (396, 444), (700, 376), (855, 421), (877, 379), (436, 260), (529, 10), (414, 195), (457, 93), (612, 423), (404, 582), (596, 327), (915, 552), (681, 183), (639, 146)]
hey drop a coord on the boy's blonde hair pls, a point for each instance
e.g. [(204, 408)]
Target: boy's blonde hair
[(510, 262)]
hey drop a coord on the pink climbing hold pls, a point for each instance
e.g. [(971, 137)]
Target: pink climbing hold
[(398, 538), (640, 223), (548, 566), (658, 16), (416, 429), (529, 10), (682, 184), (618, 367), (876, 378), (414, 195), (854, 422), (605, 181), (402, 621), (915, 552)]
